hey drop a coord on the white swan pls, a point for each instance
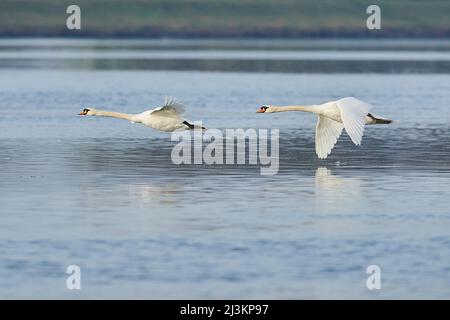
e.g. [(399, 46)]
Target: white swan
[(349, 113), (165, 118)]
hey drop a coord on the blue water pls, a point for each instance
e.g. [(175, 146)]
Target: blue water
[(103, 193)]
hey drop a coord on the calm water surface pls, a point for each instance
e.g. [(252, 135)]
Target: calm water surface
[(104, 194)]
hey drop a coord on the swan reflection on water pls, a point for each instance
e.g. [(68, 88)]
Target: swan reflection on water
[(336, 191), (151, 193), (134, 194)]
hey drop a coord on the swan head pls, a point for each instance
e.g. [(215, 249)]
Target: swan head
[(87, 112), (266, 109)]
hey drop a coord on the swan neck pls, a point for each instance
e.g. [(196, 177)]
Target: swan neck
[(312, 109), (113, 114)]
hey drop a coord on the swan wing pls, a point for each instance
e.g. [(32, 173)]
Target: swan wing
[(353, 113), (327, 133), (171, 109)]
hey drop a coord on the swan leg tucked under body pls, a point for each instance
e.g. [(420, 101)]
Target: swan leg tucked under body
[(168, 117), (349, 113)]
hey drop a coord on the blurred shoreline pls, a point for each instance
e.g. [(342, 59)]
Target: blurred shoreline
[(235, 19), (230, 55), (283, 34)]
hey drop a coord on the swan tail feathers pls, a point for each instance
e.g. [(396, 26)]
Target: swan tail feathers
[(193, 126), (378, 120)]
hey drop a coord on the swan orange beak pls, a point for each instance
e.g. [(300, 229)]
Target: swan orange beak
[(82, 113)]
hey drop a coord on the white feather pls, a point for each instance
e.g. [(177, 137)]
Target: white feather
[(327, 134), (171, 109), (353, 114)]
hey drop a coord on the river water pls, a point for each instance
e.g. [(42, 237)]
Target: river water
[(105, 195)]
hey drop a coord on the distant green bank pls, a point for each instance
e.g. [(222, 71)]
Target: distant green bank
[(225, 18)]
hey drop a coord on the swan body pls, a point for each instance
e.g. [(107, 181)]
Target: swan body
[(348, 113), (168, 117)]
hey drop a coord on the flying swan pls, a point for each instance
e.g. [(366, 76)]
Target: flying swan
[(165, 118), (349, 113)]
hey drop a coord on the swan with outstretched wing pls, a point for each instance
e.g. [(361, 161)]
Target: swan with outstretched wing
[(168, 117), (348, 113)]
